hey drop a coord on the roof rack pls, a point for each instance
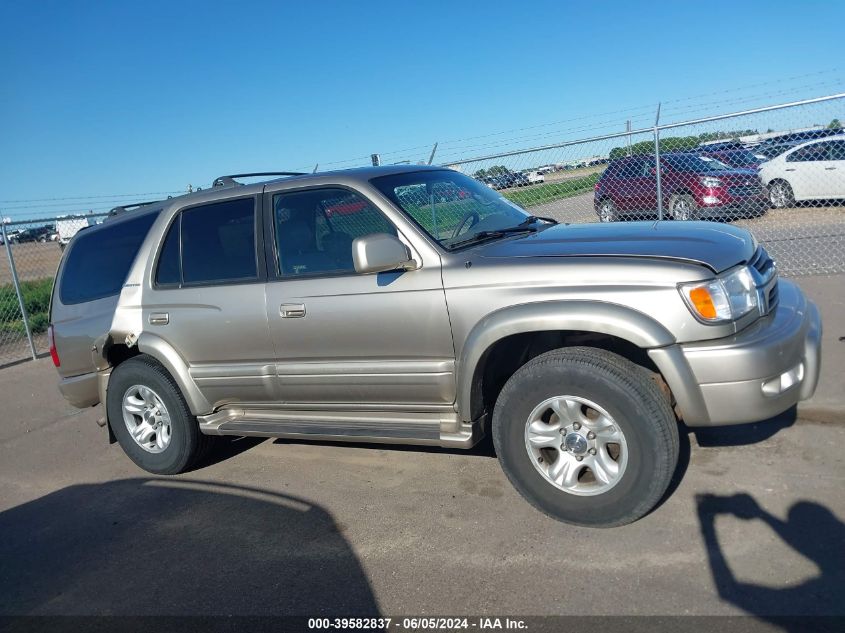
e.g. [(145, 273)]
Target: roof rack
[(229, 181), (130, 207)]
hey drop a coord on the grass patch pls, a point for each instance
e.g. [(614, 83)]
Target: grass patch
[(541, 194), (36, 299)]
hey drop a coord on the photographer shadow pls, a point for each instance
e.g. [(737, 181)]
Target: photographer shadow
[(176, 547), (810, 529)]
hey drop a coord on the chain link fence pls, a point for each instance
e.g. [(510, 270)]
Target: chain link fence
[(32, 250), (777, 170)]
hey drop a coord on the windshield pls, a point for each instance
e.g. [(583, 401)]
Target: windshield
[(451, 207), (692, 163)]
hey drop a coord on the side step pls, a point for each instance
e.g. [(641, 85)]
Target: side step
[(385, 427)]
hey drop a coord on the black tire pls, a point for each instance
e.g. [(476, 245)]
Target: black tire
[(636, 404), (683, 207), (187, 445), (607, 211), (781, 195)]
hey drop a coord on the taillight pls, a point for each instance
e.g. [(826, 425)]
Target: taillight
[(52, 341)]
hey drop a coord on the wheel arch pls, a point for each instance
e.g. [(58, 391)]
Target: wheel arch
[(530, 329), (159, 349)]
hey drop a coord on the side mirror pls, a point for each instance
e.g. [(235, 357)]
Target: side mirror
[(379, 252)]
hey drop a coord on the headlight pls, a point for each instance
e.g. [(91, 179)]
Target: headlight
[(721, 299), (710, 181)]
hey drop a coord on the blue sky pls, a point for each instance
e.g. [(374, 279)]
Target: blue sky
[(104, 98)]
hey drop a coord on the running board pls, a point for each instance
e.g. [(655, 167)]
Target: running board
[(385, 427)]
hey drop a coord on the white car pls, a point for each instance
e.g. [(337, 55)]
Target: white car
[(814, 170), (535, 177)]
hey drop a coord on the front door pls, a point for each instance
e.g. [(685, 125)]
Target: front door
[(345, 340)]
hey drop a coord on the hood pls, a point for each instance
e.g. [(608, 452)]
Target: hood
[(717, 246)]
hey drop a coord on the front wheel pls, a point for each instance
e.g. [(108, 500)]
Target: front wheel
[(586, 436), (150, 418), (683, 207), (781, 195)]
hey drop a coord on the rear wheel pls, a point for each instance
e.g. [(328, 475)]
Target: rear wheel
[(781, 195), (151, 420), (683, 207), (586, 436)]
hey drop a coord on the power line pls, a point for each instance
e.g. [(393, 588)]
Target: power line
[(110, 196)]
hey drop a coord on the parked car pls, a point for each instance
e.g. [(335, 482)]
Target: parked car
[(694, 187), (66, 228), (738, 158), (535, 177), (245, 310), (771, 150), (814, 170), (33, 234)]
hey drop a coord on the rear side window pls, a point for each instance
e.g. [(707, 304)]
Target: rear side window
[(212, 243), (99, 261)]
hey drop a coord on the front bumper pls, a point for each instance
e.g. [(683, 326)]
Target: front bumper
[(735, 207), (754, 375)]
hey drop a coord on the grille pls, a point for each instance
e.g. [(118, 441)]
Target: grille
[(744, 191), (773, 297), (762, 262)]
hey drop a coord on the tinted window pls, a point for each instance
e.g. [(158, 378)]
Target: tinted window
[(315, 229), (837, 150), (168, 271), (808, 153), (631, 168), (99, 260), (218, 242)]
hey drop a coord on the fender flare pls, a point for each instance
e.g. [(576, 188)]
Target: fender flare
[(164, 353), (585, 316)]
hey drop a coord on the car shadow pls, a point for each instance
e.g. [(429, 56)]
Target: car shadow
[(177, 547), (813, 531), (744, 434), (227, 447)]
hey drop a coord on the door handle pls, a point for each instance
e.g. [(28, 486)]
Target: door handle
[(292, 310), (829, 168), (159, 318), (790, 169)]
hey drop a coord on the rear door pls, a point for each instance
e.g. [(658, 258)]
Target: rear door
[(207, 300), (833, 175), (804, 169)]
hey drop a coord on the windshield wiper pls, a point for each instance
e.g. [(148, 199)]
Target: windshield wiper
[(533, 219), (484, 235)]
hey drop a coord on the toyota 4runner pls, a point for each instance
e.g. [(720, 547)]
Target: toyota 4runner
[(414, 305)]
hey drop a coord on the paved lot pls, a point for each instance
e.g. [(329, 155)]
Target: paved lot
[(754, 524)]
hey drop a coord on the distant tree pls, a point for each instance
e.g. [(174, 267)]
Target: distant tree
[(834, 125), (481, 173), (498, 170)]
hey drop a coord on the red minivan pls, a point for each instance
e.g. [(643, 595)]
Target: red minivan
[(694, 187)]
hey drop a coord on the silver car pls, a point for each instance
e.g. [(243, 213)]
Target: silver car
[(414, 305)]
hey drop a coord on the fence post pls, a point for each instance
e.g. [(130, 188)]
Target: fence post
[(657, 164), (17, 285)]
